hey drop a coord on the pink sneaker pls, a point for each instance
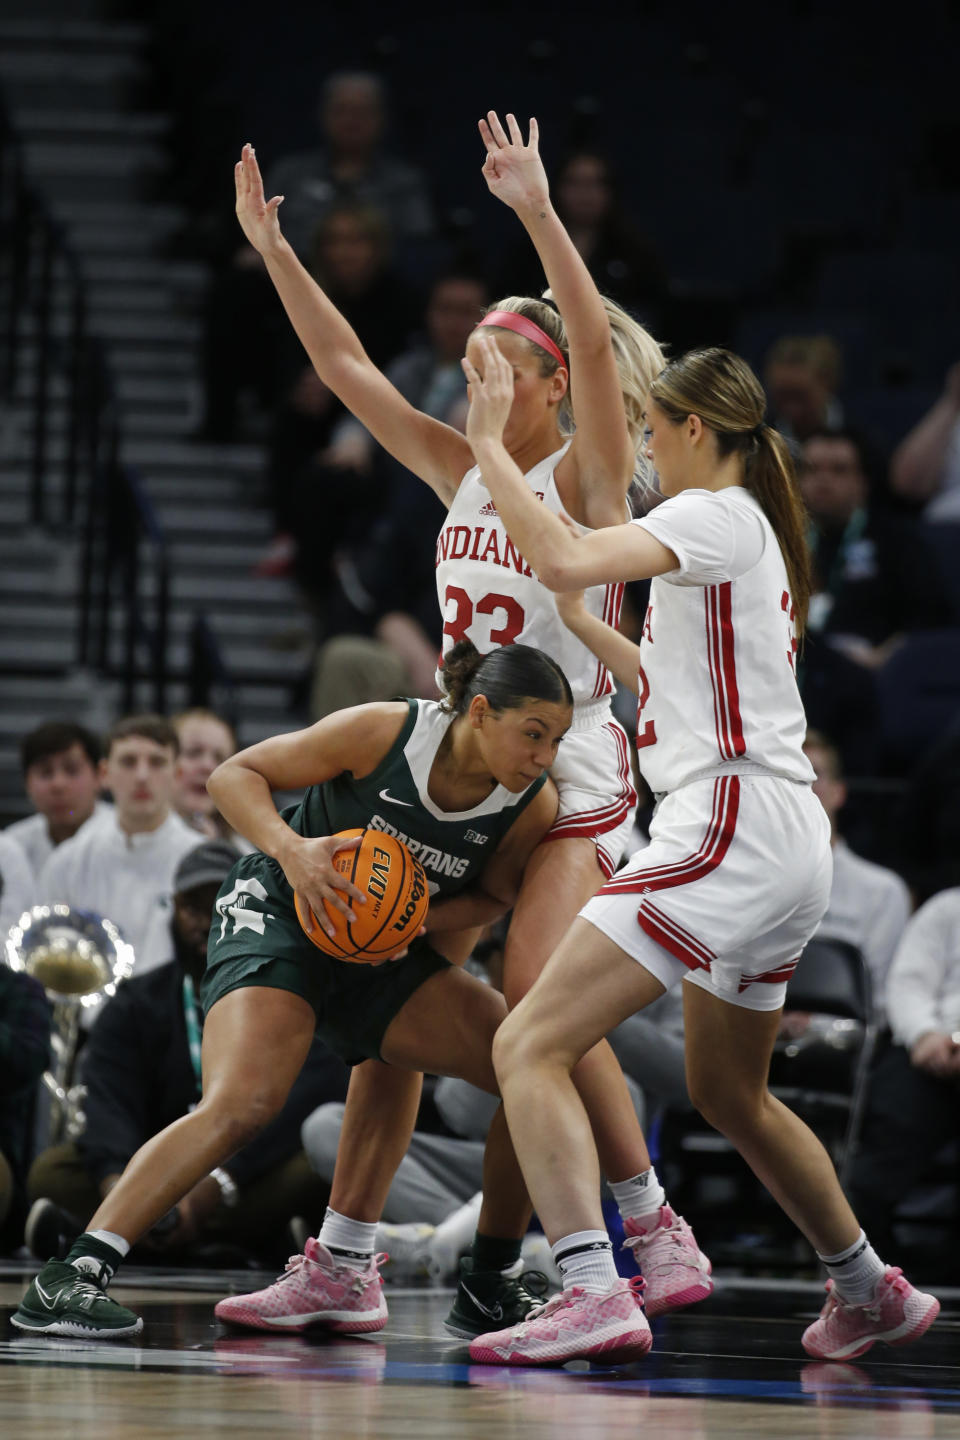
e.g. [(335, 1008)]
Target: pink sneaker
[(675, 1268), (897, 1314), (313, 1290), (573, 1325)]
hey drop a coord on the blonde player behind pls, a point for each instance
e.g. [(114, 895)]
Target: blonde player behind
[(737, 873), (578, 461)]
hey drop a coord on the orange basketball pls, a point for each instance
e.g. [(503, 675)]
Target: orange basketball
[(397, 898)]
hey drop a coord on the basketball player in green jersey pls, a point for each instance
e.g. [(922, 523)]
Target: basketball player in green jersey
[(463, 782)]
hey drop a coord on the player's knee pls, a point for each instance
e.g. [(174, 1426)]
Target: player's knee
[(243, 1114), (519, 1046), (507, 1049), (733, 1111)]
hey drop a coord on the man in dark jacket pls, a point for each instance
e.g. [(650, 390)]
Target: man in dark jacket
[(141, 1067), (24, 1055)]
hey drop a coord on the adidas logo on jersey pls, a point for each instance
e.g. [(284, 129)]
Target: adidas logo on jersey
[(488, 509)]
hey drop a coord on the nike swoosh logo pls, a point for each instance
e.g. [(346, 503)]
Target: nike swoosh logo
[(392, 800), (48, 1301), (493, 1313)]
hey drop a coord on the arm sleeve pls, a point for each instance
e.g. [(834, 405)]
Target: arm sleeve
[(713, 539), (919, 968)]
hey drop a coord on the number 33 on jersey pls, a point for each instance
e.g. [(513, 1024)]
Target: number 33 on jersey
[(488, 593)]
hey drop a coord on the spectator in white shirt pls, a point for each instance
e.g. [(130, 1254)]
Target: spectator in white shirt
[(869, 904), (206, 740), (16, 886), (122, 867), (913, 1107), (61, 775)]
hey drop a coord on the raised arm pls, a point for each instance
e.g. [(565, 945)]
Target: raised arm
[(561, 560), (918, 463), (600, 461), (434, 451)]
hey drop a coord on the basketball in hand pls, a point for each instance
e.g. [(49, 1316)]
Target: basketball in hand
[(397, 899)]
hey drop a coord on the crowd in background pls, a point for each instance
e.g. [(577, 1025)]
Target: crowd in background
[(124, 828)]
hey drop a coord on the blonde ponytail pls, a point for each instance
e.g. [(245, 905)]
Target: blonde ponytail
[(639, 358)]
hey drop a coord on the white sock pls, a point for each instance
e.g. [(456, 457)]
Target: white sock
[(639, 1197), (109, 1238), (855, 1271), (585, 1258), (351, 1242)]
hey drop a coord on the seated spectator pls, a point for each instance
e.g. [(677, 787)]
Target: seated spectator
[(312, 492), (429, 374), (912, 1108), (60, 762), (801, 377), (931, 828), (925, 467), (24, 1055), (351, 165), (206, 740), (141, 1067), (869, 904), (16, 886), (350, 169), (873, 577), (122, 866), (622, 260)]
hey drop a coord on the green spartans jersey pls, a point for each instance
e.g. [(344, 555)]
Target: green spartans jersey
[(452, 847)]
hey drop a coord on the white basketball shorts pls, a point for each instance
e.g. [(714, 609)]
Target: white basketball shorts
[(731, 887), (592, 775)]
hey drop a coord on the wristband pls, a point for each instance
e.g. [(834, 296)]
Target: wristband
[(229, 1194)]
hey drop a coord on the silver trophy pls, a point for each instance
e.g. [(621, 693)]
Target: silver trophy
[(79, 958)]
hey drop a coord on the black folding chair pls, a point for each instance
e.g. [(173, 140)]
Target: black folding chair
[(822, 1073)]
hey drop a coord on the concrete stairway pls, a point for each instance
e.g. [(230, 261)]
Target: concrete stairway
[(93, 157)]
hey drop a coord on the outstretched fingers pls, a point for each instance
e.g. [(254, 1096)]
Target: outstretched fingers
[(497, 130), (516, 134), (486, 135), (253, 180)]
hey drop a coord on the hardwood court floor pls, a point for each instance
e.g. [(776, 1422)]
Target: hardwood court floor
[(731, 1367)]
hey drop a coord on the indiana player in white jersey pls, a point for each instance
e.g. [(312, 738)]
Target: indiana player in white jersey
[(581, 466), (737, 873)]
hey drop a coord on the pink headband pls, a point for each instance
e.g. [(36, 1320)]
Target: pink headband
[(520, 325)]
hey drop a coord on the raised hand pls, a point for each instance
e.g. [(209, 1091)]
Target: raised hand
[(491, 394), (514, 171), (258, 217)]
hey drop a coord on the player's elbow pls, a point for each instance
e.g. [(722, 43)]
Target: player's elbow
[(219, 781), (556, 573)]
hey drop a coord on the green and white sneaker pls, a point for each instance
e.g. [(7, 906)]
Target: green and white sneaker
[(63, 1300), (493, 1297)]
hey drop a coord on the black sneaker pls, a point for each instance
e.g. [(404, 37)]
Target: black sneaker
[(493, 1299), (62, 1300), (50, 1231)]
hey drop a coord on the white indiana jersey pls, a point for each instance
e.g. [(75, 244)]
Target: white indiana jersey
[(488, 593), (718, 688)]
